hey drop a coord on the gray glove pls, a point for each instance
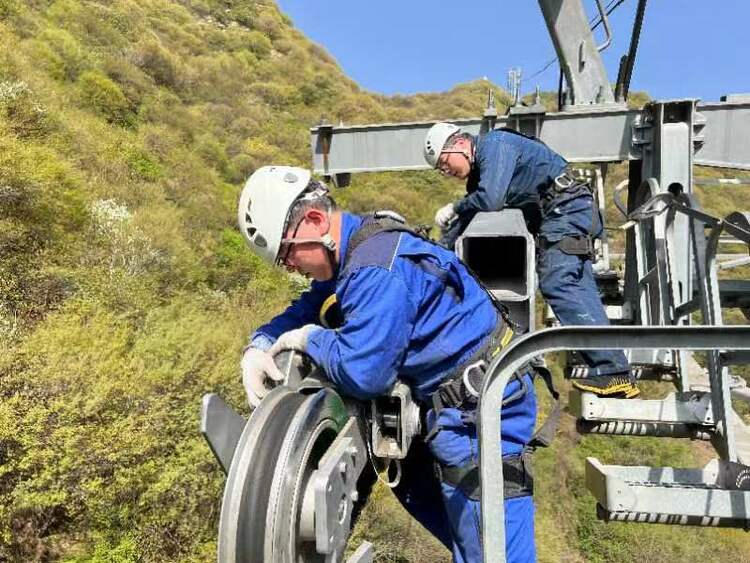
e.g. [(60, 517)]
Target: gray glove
[(259, 374)]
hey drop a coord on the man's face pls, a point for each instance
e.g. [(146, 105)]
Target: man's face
[(311, 259), (455, 160)]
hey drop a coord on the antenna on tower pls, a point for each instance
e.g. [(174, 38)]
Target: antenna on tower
[(514, 85)]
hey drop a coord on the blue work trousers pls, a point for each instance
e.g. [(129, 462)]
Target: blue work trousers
[(567, 281), (444, 510)]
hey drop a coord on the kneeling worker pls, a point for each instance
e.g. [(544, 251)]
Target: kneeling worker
[(410, 311)]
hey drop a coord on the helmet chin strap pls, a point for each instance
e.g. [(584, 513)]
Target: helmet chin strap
[(330, 245), (470, 153), (327, 241)]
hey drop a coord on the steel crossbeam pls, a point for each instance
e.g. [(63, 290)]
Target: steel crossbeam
[(597, 134)]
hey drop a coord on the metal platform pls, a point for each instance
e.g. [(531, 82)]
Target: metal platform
[(639, 494), (685, 408), (666, 495)]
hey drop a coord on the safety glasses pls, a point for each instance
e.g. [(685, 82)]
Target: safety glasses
[(442, 164), (285, 246)]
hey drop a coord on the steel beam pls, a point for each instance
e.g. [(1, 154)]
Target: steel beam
[(588, 135), (687, 408), (725, 135), (681, 493), (577, 53)]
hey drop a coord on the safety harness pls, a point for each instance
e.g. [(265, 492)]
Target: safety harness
[(567, 187), (461, 389)]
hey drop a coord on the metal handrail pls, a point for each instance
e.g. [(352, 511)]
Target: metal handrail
[(500, 371), (607, 29)]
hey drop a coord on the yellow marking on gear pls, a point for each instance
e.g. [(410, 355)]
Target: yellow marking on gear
[(327, 304)]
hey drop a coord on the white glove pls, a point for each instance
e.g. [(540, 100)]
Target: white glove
[(445, 216), (294, 339), (259, 374)]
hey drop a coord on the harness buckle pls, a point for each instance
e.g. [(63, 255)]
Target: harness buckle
[(480, 366), (565, 180)]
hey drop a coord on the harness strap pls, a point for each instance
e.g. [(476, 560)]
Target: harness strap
[(567, 184), (577, 246), (518, 480), (452, 394), (388, 221), (378, 222), (543, 437), (462, 387)]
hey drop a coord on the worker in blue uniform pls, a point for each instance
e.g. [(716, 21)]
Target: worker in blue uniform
[(409, 310), (504, 168)]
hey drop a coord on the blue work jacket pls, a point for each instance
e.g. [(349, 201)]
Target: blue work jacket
[(410, 308), (511, 170), (411, 311)]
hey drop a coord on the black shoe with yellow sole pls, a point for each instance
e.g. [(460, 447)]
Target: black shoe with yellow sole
[(613, 386)]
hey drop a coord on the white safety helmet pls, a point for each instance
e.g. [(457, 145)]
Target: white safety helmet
[(435, 140), (265, 202)]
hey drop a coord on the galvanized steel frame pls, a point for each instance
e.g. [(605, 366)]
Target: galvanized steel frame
[(732, 338), (596, 134), (577, 53)]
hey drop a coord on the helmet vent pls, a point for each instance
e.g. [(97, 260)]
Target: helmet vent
[(260, 241), (290, 178), (251, 231)]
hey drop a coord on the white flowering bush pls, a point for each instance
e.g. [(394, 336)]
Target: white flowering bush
[(124, 247), (8, 326), (19, 105)]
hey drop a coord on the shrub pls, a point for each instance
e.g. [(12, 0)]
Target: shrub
[(276, 95), (144, 167), (68, 58), (258, 43), (119, 245), (103, 96), (7, 8), (157, 62), (25, 115)]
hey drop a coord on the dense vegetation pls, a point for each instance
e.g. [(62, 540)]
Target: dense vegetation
[(126, 130)]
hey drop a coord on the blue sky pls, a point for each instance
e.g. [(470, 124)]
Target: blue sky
[(688, 48)]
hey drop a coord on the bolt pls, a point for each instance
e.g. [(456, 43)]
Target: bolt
[(342, 467), (354, 495)]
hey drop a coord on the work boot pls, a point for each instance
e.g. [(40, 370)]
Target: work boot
[(613, 386)]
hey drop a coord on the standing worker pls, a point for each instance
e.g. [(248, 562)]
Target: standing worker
[(409, 310), (504, 168)]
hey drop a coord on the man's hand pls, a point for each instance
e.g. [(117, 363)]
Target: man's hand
[(259, 374), (445, 216), (294, 339)]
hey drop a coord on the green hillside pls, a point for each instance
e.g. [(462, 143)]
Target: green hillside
[(126, 131)]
